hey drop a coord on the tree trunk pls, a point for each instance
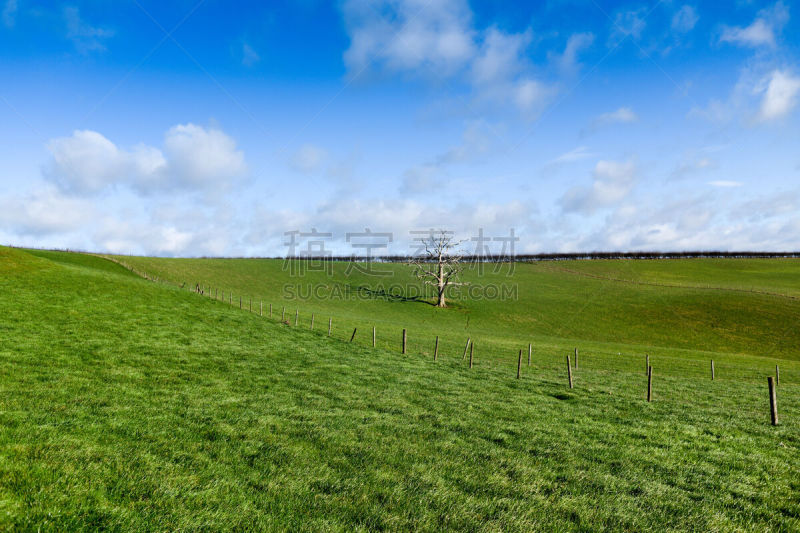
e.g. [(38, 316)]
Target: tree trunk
[(441, 285)]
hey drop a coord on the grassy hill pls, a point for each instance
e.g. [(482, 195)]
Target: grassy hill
[(132, 405), (630, 307)]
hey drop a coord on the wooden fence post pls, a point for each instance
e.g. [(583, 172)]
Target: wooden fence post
[(312, 320), (436, 348), (773, 401), (471, 346), (649, 383), (530, 351), (270, 310), (373, 336), (777, 375), (296, 316), (230, 298), (240, 302), (465, 349), (404, 340), (353, 336), (569, 371), (712, 370), (576, 359), (261, 309), (519, 364), (330, 323)]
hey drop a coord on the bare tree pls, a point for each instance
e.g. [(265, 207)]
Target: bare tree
[(440, 265)]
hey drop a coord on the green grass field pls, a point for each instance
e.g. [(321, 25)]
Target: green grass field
[(132, 405)]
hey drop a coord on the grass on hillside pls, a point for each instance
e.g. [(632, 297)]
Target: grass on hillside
[(131, 405), (554, 305)]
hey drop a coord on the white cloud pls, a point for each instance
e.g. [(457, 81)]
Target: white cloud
[(531, 96), (10, 13), (705, 220), (762, 32), (612, 181), (421, 179), (194, 158), (694, 165), (475, 143), (164, 239), (725, 183), (409, 34), (402, 215), (576, 154), (436, 39), (685, 19), (87, 38), (623, 115), (44, 210), (780, 95), (760, 95), (501, 56), (627, 24), (249, 56), (87, 161), (308, 159), (567, 62), (202, 157)]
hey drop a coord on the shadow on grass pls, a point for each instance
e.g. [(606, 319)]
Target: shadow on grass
[(383, 294)]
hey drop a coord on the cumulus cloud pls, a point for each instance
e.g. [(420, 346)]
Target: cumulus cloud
[(780, 92), (166, 239), (42, 211), (760, 95), (684, 19), (86, 161), (762, 32), (612, 181), (200, 157), (437, 39), (704, 220), (193, 158), (409, 34)]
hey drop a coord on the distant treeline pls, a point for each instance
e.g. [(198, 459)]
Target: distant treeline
[(506, 258), (562, 256)]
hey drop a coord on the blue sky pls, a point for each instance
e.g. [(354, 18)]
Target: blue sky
[(212, 128)]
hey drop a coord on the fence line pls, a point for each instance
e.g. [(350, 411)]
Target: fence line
[(214, 294)]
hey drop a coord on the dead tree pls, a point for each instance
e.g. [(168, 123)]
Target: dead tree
[(440, 264)]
